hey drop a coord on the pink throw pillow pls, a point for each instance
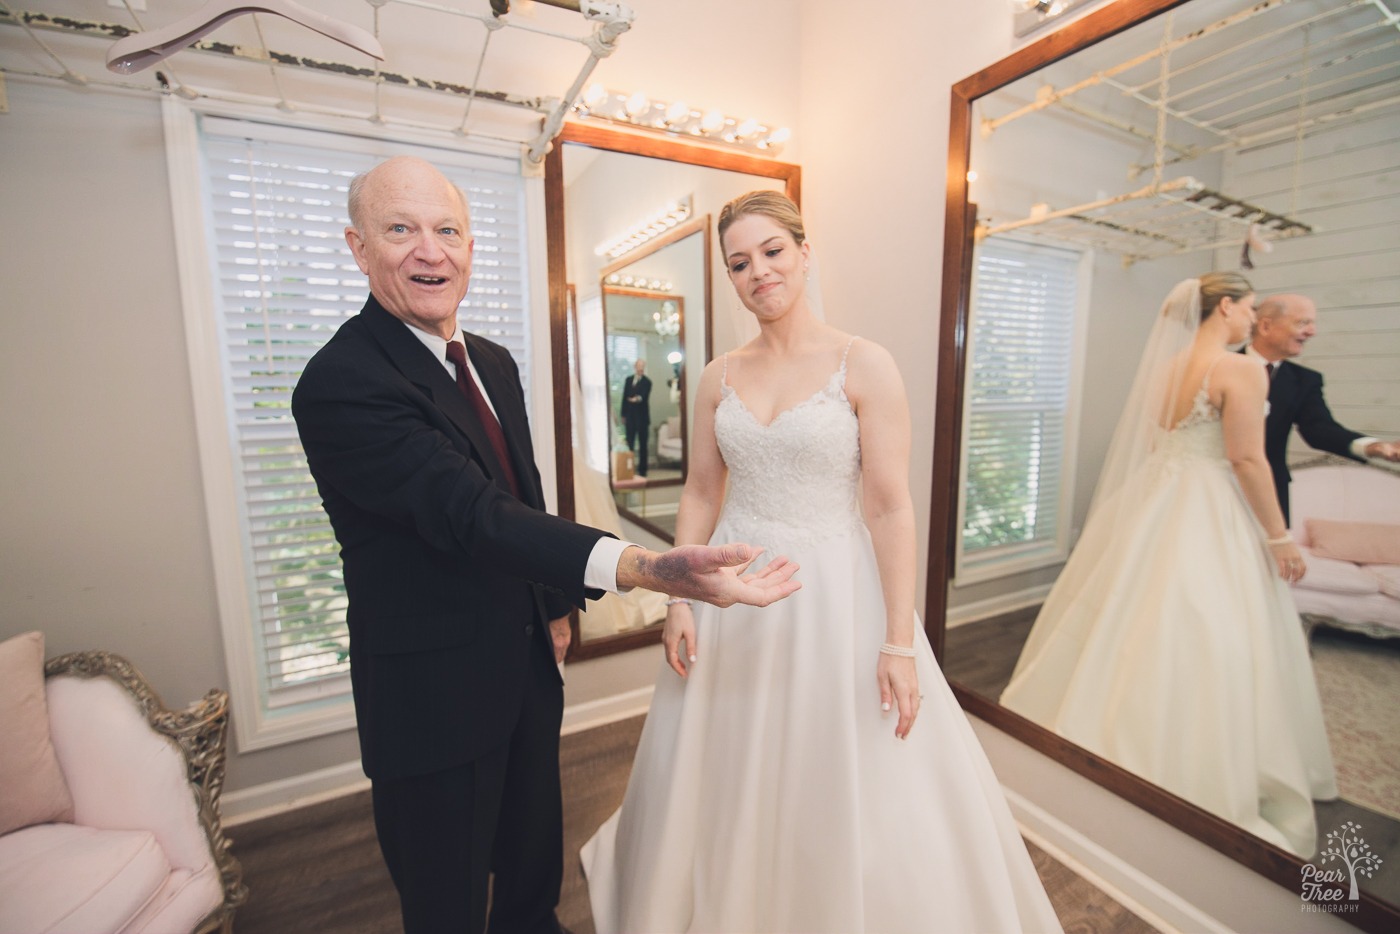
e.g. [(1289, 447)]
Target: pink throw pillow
[(32, 787), (1358, 542)]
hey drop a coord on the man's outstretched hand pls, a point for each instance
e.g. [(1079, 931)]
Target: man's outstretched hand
[(709, 573)]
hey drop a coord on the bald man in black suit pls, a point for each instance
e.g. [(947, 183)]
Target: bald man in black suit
[(1285, 323)]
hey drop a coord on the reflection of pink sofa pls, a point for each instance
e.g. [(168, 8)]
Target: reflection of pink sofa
[(670, 447), (1362, 596)]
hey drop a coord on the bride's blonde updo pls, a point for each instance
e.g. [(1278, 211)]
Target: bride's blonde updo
[(771, 204), (1218, 285)]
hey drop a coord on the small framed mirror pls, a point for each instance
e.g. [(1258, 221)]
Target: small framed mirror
[(649, 341)]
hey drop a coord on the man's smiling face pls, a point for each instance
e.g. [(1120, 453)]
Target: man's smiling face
[(413, 241)]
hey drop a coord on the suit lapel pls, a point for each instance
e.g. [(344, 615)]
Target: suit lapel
[(417, 364)]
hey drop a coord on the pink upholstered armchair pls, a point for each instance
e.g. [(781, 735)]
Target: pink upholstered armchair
[(140, 847)]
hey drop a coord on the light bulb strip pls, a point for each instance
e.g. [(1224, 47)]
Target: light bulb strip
[(655, 226), (639, 282), (676, 119)]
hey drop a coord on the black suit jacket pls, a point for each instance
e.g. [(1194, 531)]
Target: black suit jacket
[(636, 413), (1295, 398), (450, 579)]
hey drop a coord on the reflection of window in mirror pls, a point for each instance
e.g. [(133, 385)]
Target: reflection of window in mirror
[(1020, 428)]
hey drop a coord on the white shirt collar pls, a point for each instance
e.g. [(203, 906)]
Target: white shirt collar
[(1249, 351), (438, 347)]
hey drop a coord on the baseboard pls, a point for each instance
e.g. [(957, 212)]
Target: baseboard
[(996, 606), (1142, 895), (288, 794), (605, 710)]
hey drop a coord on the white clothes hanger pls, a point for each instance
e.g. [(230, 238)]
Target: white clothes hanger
[(141, 50)]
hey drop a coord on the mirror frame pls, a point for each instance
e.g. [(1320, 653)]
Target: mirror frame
[(1274, 863), (637, 144)]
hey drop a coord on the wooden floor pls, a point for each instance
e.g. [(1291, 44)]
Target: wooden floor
[(318, 868)]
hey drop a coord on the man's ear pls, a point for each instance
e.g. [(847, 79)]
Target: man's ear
[(357, 248)]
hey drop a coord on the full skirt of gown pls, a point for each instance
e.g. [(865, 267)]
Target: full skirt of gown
[(769, 792), (1170, 646)]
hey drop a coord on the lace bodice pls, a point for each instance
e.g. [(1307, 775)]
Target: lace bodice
[(1199, 432), (796, 480)]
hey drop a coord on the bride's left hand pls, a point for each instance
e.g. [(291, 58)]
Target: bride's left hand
[(899, 686)]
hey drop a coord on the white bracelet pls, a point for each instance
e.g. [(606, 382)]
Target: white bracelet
[(678, 601), (900, 650), (1284, 539)]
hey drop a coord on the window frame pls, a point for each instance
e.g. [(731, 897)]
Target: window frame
[(257, 725), (1018, 558)]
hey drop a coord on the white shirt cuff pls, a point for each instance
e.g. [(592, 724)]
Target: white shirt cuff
[(601, 572), (1358, 447)]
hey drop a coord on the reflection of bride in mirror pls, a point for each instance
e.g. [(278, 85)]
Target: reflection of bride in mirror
[(1170, 643)]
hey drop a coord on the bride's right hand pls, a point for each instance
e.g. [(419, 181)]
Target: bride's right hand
[(680, 627), (1291, 566)]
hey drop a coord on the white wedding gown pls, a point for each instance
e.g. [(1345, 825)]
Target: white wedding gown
[(769, 793), (1170, 645)]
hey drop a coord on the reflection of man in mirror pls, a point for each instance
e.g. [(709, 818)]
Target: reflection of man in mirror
[(1285, 323), (636, 413)]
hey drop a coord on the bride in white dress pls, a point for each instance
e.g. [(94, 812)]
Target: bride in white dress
[(1170, 643), (781, 782)]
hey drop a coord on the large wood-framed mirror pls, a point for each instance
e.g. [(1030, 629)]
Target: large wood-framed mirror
[(601, 184), (1063, 153)]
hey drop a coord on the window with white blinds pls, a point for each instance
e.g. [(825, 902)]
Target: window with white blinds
[(284, 280), (1017, 421)]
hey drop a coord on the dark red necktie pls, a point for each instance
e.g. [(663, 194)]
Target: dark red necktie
[(477, 400), (1270, 368)]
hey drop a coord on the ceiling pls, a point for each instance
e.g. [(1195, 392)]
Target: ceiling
[(435, 55)]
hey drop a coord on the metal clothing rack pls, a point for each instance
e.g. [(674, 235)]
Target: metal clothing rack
[(1214, 87), (1168, 219)]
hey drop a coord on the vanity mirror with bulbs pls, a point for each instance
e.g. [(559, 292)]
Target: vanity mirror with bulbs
[(1148, 142), (630, 226)]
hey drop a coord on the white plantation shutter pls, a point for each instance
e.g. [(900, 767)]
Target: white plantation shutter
[(284, 280), (1019, 388)]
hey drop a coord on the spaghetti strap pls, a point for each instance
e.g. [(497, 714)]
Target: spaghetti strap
[(724, 371), (1205, 383), (847, 352)]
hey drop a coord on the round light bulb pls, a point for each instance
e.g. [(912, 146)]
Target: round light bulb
[(637, 104), (677, 113), (712, 121), (747, 128), (595, 95)]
